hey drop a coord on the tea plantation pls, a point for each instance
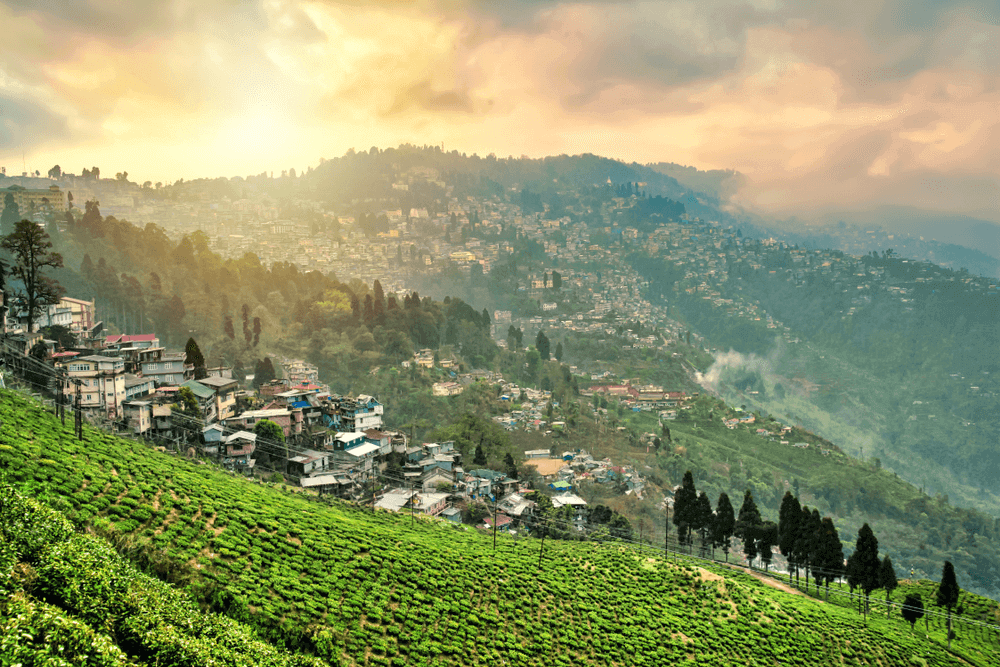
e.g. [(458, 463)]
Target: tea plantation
[(354, 588)]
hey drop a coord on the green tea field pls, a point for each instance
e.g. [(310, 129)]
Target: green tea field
[(356, 588)]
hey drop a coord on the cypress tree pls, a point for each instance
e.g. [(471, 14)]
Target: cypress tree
[(767, 537), (832, 554), (803, 541), (947, 594), (788, 526), (723, 524), (685, 504), (887, 580), (703, 518), (747, 523), (866, 550)]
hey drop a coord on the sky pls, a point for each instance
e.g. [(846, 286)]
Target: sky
[(820, 104)]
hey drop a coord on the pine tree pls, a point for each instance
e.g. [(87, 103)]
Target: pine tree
[(866, 550), (559, 351), (832, 554), (723, 524), (947, 594), (803, 541), (788, 527), (747, 523), (685, 501), (703, 518), (887, 580), (194, 357), (542, 345), (766, 537), (480, 458)]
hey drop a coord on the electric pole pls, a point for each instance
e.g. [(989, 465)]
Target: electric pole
[(78, 414)]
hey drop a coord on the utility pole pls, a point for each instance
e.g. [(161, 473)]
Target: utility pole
[(78, 414), (495, 505), (666, 534), (412, 495)]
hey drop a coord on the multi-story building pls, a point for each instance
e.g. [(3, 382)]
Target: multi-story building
[(31, 200), (223, 394), (354, 414), (82, 312), (102, 383), (168, 369)]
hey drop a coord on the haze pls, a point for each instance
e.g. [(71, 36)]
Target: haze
[(820, 105)]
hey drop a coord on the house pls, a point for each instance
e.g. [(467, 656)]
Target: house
[(98, 381), (283, 418), (336, 483), (139, 416), (237, 450), (205, 398), (447, 389), (354, 414), (561, 485), (502, 522), (163, 427), (212, 436), (167, 369), (578, 504), (137, 386), (452, 514), (537, 454), (272, 388), (383, 440), (139, 341), (82, 312), (223, 395), (308, 462)]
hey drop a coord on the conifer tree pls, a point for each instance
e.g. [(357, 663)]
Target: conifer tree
[(947, 594), (685, 502), (866, 550), (193, 356), (703, 518), (832, 554), (723, 524), (887, 580), (767, 538), (747, 523), (788, 526)]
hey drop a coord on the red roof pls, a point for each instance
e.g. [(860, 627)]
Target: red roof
[(59, 355)]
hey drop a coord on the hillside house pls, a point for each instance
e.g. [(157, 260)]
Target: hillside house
[(139, 417), (167, 369), (237, 449), (223, 395), (101, 383)]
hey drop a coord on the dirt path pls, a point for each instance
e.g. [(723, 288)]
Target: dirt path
[(768, 581)]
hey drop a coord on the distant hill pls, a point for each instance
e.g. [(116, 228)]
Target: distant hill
[(973, 233)]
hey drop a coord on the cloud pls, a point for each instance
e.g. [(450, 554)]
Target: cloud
[(817, 103), (25, 122)]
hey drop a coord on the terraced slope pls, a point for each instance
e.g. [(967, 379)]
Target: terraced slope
[(368, 589)]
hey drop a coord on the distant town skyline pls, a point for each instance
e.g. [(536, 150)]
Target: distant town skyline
[(820, 105)]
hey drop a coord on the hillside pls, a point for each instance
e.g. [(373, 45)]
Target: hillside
[(361, 588)]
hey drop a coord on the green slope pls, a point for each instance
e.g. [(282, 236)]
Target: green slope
[(360, 588)]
